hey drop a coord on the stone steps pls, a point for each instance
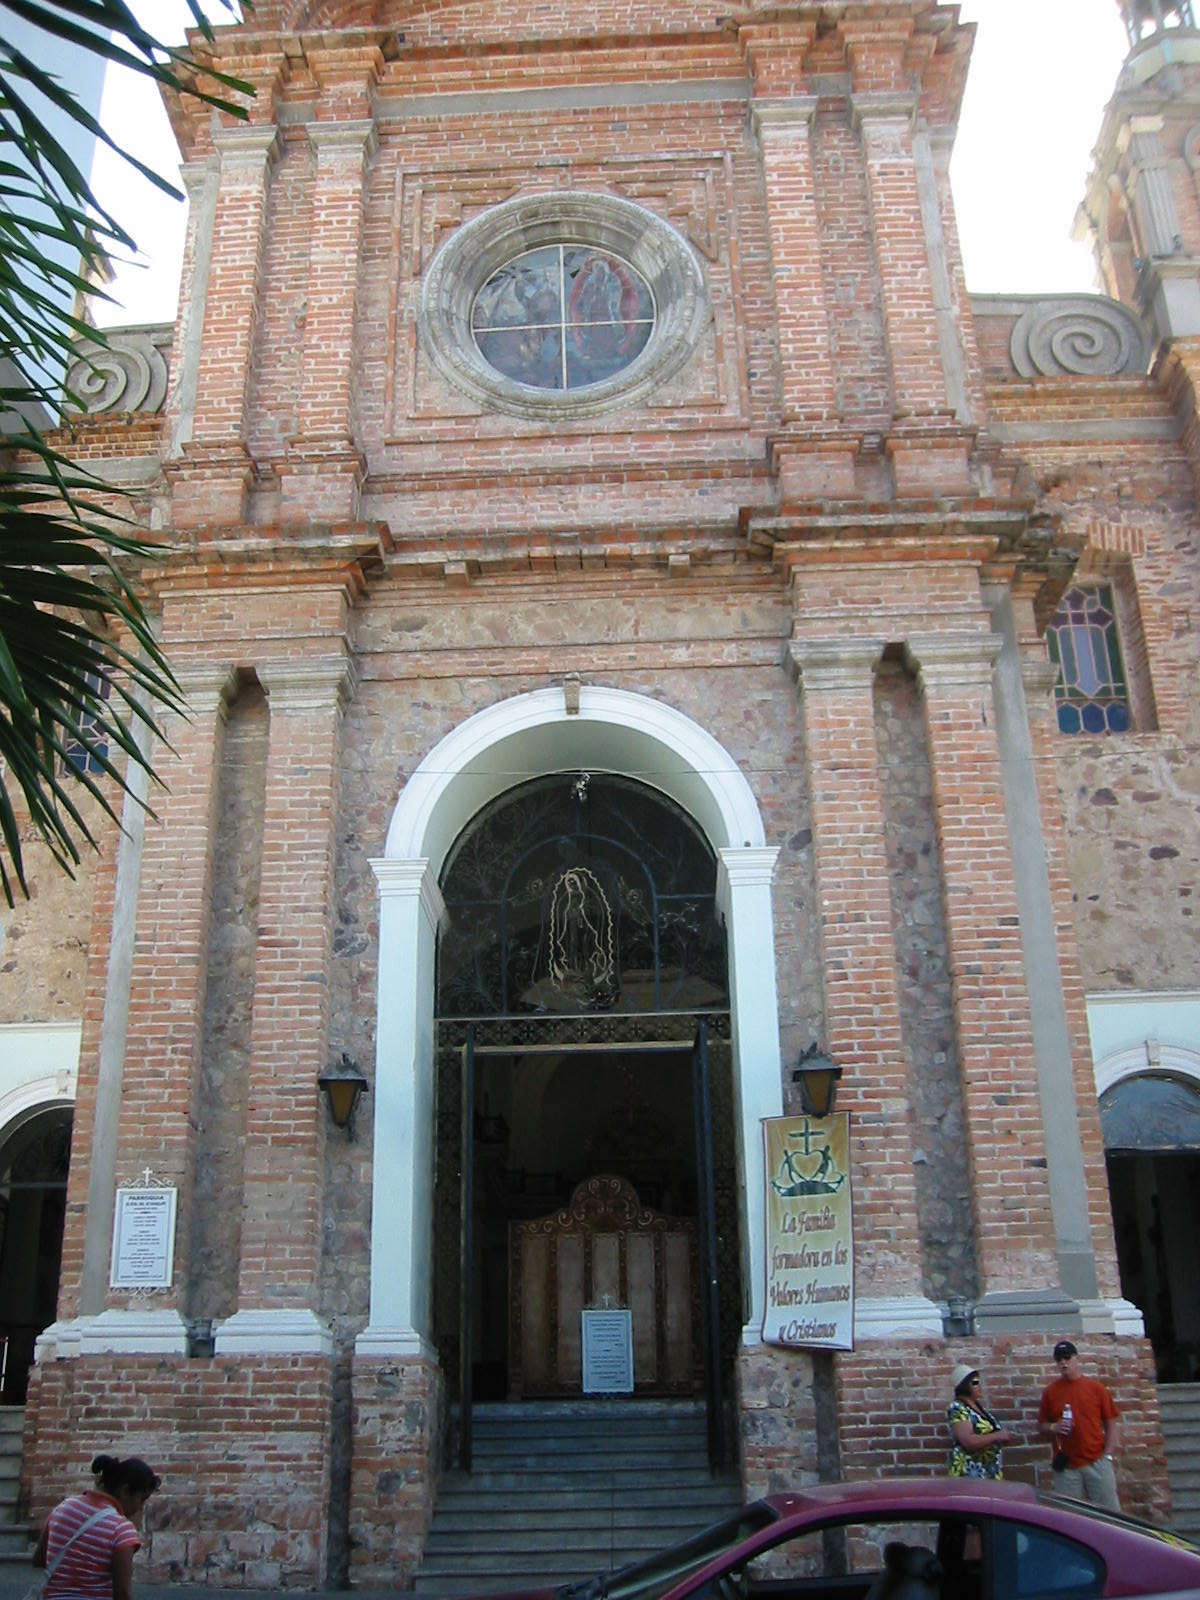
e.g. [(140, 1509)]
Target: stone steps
[(560, 1492), (15, 1537), (1179, 1409)]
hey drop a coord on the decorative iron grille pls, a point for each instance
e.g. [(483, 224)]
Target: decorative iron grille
[(580, 895)]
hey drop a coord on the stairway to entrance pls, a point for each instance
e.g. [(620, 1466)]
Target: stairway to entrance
[(15, 1536), (1179, 1409), (564, 1490)]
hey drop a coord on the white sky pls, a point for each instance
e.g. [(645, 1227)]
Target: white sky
[(1042, 73)]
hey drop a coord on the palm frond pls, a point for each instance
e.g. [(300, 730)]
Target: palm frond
[(83, 679)]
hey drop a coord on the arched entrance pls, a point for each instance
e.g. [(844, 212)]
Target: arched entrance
[(1151, 1124), (34, 1156), (581, 730), (584, 1091)]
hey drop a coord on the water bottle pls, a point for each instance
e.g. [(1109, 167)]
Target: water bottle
[(1068, 1417)]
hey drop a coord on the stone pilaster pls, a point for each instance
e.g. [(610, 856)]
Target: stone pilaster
[(1149, 186), (211, 480), (164, 1017), (1015, 1243), (410, 909), (813, 458), (323, 471), (285, 1130), (862, 999), (926, 443)]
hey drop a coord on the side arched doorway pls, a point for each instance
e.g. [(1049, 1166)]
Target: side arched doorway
[(1151, 1125), (586, 1154), (35, 1153)]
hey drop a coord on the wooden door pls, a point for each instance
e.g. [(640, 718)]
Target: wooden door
[(604, 1249)]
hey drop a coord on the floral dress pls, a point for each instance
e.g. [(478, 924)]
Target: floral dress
[(980, 1463)]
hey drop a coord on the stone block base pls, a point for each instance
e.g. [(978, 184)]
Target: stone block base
[(242, 1445), (395, 1467), (777, 1419)]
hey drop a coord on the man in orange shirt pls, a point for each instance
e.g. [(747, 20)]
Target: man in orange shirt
[(1082, 1419)]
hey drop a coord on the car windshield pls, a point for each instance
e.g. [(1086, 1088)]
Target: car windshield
[(641, 1580), (1118, 1519)]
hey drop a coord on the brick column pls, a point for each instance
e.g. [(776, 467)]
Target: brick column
[(812, 457), (323, 472), (862, 997), (285, 1132), (148, 1076), (927, 445), (1014, 1217), (211, 480)]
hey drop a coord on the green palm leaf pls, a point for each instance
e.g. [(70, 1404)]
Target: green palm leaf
[(83, 680)]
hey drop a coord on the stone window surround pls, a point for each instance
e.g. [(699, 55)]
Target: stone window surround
[(1118, 570), (497, 236)]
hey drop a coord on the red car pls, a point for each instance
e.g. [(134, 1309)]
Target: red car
[(910, 1539)]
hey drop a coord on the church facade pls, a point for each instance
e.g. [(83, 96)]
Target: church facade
[(640, 616)]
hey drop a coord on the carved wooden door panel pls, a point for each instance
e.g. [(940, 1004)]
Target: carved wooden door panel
[(603, 1249)]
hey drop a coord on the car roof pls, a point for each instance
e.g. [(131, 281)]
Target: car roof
[(929, 1492)]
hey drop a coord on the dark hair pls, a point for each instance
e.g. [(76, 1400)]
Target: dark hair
[(132, 1474)]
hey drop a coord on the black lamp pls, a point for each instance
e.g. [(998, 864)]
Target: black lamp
[(817, 1074), (343, 1084)]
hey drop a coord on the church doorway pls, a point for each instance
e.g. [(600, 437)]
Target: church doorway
[(34, 1158), (1151, 1126), (585, 1109)]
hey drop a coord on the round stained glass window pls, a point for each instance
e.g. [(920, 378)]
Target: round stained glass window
[(563, 317), (563, 306)]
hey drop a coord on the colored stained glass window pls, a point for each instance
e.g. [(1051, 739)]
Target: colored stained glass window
[(1091, 691), (86, 751), (563, 317)]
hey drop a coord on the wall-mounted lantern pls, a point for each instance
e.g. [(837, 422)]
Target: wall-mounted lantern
[(343, 1086), (817, 1074)]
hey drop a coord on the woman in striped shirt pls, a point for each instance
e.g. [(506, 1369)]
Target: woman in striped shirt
[(89, 1539)]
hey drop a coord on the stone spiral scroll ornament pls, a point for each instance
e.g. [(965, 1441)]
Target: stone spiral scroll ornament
[(126, 375), (1078, 336)]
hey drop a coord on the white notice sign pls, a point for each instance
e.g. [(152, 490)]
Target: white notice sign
[(607, 1352), (143, 1252)]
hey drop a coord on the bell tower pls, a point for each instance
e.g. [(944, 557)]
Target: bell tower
[(1141, 210), (1146, 17)]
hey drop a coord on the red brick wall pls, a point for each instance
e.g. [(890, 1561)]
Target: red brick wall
[(892, 1402), (242, 1447)]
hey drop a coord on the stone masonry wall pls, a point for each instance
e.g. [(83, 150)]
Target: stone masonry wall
[(242, 1448), (892, 1404)]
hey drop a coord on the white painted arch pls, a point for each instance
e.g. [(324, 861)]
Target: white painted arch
[(549, 730), (533, 734), (1148, 1060)]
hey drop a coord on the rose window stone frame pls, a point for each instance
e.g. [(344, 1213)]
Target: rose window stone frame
[(496, 237)]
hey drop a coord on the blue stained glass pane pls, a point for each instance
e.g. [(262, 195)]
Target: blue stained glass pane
[(527, 355), (563, 300), (1066, 646), (1084, 643), (1092, 661), (603, 288), (525, 293), (597, 351)]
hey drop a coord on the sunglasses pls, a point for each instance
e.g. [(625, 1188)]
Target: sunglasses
[(977, 1383)]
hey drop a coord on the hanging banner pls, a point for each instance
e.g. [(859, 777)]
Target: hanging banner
[(810, 1233)]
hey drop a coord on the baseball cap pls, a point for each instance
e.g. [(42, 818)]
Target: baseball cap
[(1063, 1349)]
